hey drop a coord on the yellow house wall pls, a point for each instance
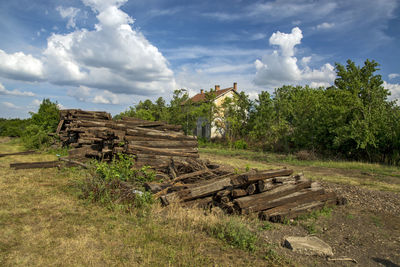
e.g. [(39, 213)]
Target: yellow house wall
[(218, 103)]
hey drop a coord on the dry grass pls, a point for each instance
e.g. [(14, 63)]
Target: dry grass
[(43, 223)]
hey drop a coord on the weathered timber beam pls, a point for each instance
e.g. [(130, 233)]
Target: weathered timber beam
[(278, 191), (18, 153), (35, 165)]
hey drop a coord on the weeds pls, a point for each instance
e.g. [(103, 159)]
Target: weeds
[(235, 233), (273, 258), (117, 185)]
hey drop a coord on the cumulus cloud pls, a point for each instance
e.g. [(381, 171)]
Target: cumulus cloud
[(286, 41), (89, 95), (69, 13), (393, 76), (113, 57), (15, 92), (19, 66), (394, 89), (280, 67)]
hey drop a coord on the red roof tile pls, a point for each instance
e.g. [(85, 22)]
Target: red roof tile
[(202, 96)]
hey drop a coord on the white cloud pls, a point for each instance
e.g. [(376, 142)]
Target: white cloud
[(19, 66), (113, 57), (15, 92), (69, 13), (280, 67), (10, 105), (325, 26), (36, 103), (287, 41), (86, 94), (393, 76), (394, 89)]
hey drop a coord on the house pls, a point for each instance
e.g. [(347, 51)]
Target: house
[(203, 127)]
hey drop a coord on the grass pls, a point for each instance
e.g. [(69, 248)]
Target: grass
[(372, 176), (44, 223)]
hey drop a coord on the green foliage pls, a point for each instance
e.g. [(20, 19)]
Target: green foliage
[(13, 127), (352, 119), (35, 137), (235, 233), (117, 185), (240, 144), (42, 123), (235, 116)]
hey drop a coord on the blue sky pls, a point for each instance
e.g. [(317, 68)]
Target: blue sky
[(110, 54)]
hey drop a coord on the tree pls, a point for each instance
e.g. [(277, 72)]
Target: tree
[(42, 123), (235, 116), (367, 116)]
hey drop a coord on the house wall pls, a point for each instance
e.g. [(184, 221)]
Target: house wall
[(204, 129), (215, 131)]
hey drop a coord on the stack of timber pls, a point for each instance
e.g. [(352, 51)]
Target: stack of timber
[(94, 134), (275, 195)]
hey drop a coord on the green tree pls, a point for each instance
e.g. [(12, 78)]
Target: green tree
[(369, 111), (42, 123), (235, 116)]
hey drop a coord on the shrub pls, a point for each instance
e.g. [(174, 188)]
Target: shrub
[(41, 124), (35, 137), (240, 144), (117, 185)]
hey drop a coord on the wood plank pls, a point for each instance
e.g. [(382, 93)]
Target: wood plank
[(165, 152), (59, 126), (278, 191), (238, 193), (207, 188), (293, 197), (251, 189), (18, 153), (202, 203), (301, 202), (35, 165), (252, 177), (159, 134), (294, 212), (265, 185), (165, 143)]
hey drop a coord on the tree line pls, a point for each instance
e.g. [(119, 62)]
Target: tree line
[(352, 119)]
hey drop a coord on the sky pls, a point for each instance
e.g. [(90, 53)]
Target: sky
[(111, 54)]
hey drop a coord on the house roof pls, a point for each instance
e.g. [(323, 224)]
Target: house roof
[(202, 96)]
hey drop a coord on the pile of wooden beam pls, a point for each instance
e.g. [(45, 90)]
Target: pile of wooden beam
[(95, 134), (275, 195)]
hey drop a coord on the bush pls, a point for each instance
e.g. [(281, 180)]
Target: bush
[(117, 185), (240, 144), (45, 121), (35, 137)]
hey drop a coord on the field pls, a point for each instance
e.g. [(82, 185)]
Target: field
[(43, 221)]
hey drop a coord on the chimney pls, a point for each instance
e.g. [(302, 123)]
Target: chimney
[(216, 87), (201, 91), (235, 86)]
